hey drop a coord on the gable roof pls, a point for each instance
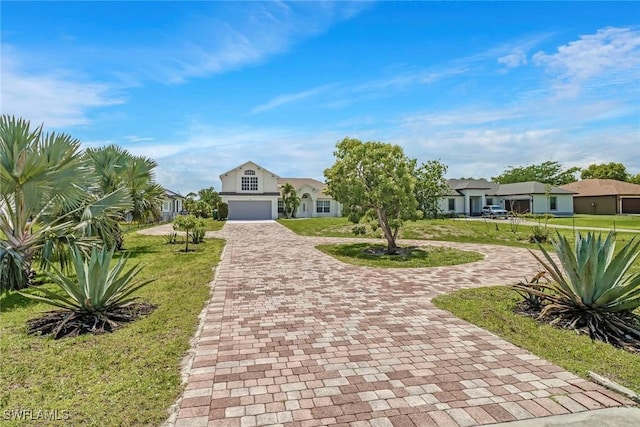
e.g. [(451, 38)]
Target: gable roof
[(603, 187), (298, 183), (171, 194), (530, 187), (495, 189), (471, 184), (244, 166)]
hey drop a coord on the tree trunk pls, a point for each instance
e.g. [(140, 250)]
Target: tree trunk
[(383, 222)]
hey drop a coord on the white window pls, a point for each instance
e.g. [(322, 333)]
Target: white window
[(323, 206), (452, 204), (249, 183), (249, 172), (280, 206), (553, 203), (165, 206)]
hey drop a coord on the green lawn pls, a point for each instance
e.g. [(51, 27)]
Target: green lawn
[(130, 377), (600, 221), (503, 232), (429, 256), (492, 309), (211, 224)]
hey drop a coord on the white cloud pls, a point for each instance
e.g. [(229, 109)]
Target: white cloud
[(290, 98), (57, 98), (515, 59), (611, 56), (252, 33), (134, 138)]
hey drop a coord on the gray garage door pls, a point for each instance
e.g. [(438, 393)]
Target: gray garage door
[(242, 210)]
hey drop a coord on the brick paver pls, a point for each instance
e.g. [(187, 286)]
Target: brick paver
[(294, 337)]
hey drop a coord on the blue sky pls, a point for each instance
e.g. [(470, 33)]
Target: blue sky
[(202, 87)]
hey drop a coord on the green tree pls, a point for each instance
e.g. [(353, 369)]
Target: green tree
[(431, 187), (548, 172), (290, 200), (610, 170), (377, 180), (635, 179), (210, 196), (208, 200), (187, 223), (48, 195), (199, 208)]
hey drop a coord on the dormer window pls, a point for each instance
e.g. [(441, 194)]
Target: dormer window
[(250, 182)]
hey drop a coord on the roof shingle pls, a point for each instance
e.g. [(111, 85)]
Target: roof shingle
[(602, 187)]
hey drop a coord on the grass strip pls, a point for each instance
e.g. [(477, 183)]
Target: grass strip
[(425, 256)]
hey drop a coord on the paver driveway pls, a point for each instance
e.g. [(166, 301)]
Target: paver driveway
[(294, 337)]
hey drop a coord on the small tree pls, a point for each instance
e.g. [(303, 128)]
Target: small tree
[(375, 179), (290, 200), (431, 187), (187, 223)]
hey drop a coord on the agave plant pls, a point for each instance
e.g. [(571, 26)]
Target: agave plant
[(98, 298), (592, 288)]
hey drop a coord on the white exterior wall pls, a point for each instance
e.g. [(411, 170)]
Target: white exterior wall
[(232, 181), (564, 204), (443, 205), (228, 182)]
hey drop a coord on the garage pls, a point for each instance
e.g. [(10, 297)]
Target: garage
[(520, 206), (249, 210), (630, 205)]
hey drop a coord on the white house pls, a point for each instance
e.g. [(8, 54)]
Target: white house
[(171, 205), (253, 193), (468, 196)]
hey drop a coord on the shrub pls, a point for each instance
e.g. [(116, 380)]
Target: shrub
[(539, 234), (223, 211), (171, 238), (197, 236)]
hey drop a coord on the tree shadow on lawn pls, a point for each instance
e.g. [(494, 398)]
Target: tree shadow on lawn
[(13, 300)]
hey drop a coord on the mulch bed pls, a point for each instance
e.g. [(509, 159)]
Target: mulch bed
[(66, 323), (629, 343)]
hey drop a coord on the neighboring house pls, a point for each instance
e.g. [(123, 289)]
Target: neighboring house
[(171, 205), (605, 197), (468, 196), (253, 193)]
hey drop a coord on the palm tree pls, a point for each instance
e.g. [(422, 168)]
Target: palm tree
[(290, 200), (47, 195), (117, 167)]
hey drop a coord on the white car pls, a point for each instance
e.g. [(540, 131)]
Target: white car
[(494, 211)]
